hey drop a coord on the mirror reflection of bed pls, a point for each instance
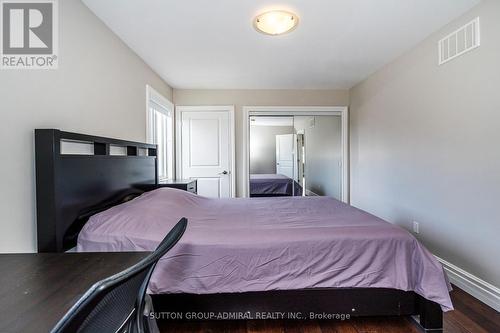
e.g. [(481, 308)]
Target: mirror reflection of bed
[(295, 156)]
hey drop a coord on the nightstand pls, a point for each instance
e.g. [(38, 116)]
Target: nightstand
[(188, 185), (181, 184)]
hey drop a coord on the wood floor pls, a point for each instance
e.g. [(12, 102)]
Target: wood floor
[(469, 316)]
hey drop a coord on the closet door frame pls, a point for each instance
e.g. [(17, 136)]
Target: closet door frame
[(342, 111)]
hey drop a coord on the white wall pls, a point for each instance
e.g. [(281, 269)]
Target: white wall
[(425, 146), (98, 89), (241, 98)]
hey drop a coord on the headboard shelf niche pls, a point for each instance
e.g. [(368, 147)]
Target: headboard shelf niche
[(71, 186)]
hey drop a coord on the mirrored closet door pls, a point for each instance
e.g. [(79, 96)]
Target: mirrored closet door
[(295, 156)]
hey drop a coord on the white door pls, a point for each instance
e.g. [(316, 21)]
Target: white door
[(285, 152), (206, 149)]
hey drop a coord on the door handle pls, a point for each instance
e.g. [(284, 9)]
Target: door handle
[(224, 173)]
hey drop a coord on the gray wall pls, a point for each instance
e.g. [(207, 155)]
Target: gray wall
[(99, 88), (425, 146), (323, 146), (240, 98), (263, 147)]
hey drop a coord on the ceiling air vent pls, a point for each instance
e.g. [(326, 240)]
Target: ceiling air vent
[(459, 42)]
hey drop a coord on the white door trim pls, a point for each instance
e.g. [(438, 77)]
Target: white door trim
[(342, 111), (178, 137)]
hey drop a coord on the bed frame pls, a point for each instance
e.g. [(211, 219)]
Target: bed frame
[(71, 187), (269, 195)]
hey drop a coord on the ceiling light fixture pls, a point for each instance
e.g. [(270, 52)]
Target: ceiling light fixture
[(275, 22)]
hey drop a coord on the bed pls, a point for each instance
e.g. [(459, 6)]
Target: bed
[(273, 185), (244, 245), (286, 254)]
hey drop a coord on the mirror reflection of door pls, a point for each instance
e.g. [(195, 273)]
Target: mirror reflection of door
[(301, 158), (285, 154), (295, 156)]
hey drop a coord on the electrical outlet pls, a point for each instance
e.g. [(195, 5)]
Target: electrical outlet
[(416, 227)]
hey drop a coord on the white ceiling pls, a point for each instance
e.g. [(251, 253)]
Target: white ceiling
[(213, 45)]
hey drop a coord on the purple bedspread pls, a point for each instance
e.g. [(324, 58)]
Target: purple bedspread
[(239, 245), (274, 184)]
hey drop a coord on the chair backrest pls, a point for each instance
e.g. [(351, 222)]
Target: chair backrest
[(115, 304)]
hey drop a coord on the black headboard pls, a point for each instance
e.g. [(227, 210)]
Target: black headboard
[(70, 187)]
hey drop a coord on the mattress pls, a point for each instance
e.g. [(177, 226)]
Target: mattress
[(274, 184), (282, 243)]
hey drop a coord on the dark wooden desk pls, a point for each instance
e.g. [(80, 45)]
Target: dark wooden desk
[(36, 290)]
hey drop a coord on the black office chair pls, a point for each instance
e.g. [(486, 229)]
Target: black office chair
[(116, 304)]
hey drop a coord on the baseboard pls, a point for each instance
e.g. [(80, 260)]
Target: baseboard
[(311, 194), (478, 288)]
